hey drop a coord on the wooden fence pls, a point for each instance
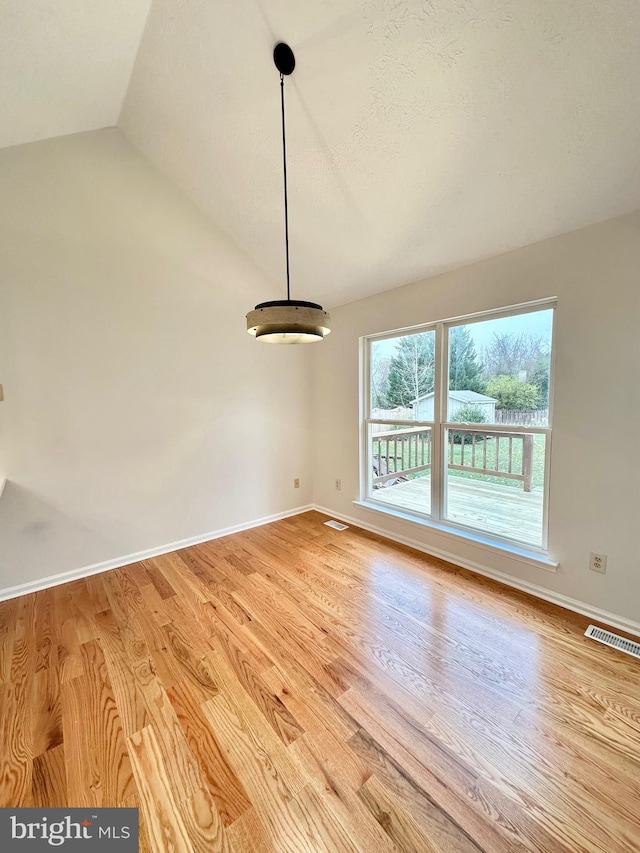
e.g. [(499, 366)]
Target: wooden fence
[(540, 417), (398, 453), (400, 413)]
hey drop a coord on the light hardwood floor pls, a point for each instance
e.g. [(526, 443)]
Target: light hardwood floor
[(294, 688)]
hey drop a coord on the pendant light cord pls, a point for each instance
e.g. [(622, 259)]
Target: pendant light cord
[(286, 200)]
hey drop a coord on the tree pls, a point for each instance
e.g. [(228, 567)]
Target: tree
[(512, 394), (520, 356), (411, 371), (380, 365), (538, 375), (465, 374)]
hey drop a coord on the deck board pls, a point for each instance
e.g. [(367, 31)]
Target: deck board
[(490, 507)]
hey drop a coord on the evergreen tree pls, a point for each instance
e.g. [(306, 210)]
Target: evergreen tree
[(465, 374), (411, 370)]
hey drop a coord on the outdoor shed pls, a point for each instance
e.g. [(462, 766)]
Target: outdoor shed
[(423, 406)]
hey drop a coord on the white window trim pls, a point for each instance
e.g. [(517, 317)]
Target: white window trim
[(537, 559), (437, 519)]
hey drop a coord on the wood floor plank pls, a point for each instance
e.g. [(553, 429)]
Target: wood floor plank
[(268, 790), (155, 604), (49, 783), (7, 640), (69, 652), (162, 585), (15, 742), (325, 830), (174, 570), (8, 612), (132, 638), (248, 835), (268, 703), (132, 578), (46, 711), (98, 766), (438, 825), (313, 707), (97, 594), (227, 792), (295, 688), (133, 802), (188, 663), (172, 744), (46, 643), (160, 809), (394, 819), (204, 826), (74, 604), (243, 707), (131, 706), (332, 775), (226, 631)]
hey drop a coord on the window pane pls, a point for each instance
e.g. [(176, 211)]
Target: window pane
[(499, 370), (495, 482), (402, 374), (401, 466)]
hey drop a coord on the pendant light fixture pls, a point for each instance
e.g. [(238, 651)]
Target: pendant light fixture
[(287, 321)]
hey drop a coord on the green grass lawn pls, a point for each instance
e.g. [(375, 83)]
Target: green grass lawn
[(503, 461)]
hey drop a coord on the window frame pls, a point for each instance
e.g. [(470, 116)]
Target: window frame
[(438, 471)]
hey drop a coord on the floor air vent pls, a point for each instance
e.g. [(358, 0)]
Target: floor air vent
[(613, 640), (338, 526)]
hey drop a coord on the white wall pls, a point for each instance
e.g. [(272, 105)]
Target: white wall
[(595, 467), (4, 364), (137, 409)]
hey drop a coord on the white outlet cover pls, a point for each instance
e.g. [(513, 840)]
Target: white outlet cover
[(598, 563)]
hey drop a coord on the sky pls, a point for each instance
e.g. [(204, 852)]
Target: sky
[(536, 323)]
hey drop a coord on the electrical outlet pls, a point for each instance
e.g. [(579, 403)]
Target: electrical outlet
[(296, 483), (598, 563), (338, 485)]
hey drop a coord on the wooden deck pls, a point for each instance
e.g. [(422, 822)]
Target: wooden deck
[(502, 510)]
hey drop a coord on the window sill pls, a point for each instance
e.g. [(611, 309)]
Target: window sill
[(531, 558)]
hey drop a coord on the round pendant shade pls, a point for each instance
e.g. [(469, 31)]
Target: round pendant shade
[(288, 321)]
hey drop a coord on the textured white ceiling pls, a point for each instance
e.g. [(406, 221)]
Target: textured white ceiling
[(423, 134), (65, 64)]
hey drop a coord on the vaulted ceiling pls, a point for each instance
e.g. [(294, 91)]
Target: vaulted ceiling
[(65, 65), (422, 134)]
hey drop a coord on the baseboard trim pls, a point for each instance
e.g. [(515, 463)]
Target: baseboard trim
[(568, 603), (572, 604), (127, 559)]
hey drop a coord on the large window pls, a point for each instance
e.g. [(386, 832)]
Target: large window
[(458, 423)]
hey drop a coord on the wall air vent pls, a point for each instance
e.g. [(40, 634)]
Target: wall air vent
[(613, 640), (336, 525)]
